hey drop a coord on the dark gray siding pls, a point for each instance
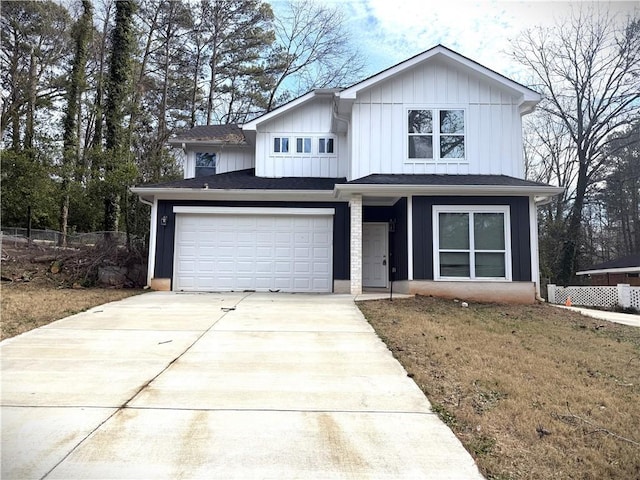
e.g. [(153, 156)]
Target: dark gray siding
[(166, 235), (398, 254), (400, 238), (423, 232)]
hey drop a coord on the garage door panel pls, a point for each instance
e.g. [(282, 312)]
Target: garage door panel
[(253, 252), (282, 267), (283, 252)]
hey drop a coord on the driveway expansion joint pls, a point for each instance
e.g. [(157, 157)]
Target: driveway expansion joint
[(142, 388)]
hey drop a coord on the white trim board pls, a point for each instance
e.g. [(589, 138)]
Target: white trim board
[(253, 210)]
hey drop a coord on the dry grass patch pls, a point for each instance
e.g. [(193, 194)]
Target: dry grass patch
[(26, 306), (533, 392)]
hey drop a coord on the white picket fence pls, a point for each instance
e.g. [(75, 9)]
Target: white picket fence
[(622, 295)]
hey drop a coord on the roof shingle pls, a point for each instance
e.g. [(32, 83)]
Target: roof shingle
[(230, 134), (246, 180), (624, 262), (450, 180)]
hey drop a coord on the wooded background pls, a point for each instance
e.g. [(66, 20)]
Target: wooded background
[(91, 91)]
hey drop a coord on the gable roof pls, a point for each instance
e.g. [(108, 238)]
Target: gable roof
[(296, 102), (528, 95), (230, 134), (628, 264), (233, 134)]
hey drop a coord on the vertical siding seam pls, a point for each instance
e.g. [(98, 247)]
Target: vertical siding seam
[(410, 237)]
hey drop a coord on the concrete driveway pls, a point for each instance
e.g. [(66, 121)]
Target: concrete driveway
[(169, 385)]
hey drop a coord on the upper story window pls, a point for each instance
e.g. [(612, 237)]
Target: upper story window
[(281, 145), (205, 164), (311, 145), (436, 134), (303, 145), (471, 243), (325, 146)]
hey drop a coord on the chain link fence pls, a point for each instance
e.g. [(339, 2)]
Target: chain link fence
[(53, 237)]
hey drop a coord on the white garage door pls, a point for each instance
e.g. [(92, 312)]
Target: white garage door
[(225, 251)]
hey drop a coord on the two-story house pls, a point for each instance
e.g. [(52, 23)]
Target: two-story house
[(414, 175)]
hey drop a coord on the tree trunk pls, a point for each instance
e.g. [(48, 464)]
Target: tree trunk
[(64, 220), (212, 83), (31, 104), (573, 231)]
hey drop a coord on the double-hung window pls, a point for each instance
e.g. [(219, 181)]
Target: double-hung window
[(303, 145), (472, 243), (280, 145), (436, 134), (206, 163), (325, 146)]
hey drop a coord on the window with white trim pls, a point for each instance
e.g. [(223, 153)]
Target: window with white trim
[(280, 144), (303, 145), (436, 134), (325, 146), (206, 163), (471, 242)]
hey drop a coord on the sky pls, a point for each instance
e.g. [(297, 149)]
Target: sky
[(390, 31)]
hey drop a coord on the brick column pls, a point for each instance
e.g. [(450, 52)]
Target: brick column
[(355, 205)]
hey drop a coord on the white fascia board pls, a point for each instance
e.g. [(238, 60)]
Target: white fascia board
[(184, 143), (254, 211), (526, 93), (253, 124), (218, 194), (610, 270), (465, 190)]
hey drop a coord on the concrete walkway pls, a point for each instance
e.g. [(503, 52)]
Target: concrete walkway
[(623, 318), (228, 386)]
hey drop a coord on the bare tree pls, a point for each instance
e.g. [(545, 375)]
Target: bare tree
[(313, 49), (588, 69)]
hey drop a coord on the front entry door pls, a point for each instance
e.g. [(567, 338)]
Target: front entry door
[(375, 270)]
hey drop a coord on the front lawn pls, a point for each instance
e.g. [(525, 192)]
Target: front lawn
[(26, 306), (533, 392)]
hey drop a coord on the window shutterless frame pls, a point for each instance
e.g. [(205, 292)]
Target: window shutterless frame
[(303, 145), (281, 145), (460, 258), (205, 164), (436, 134), (326, 146)]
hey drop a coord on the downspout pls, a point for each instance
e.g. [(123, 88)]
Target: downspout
[(347, 122), (535, 253), (536, 202)]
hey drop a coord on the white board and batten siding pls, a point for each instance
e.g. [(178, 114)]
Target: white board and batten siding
[(493, 127), (228, 159), (312, 119), (233, 159)]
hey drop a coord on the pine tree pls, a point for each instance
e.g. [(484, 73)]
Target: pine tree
[(82, 36), (117, 159)]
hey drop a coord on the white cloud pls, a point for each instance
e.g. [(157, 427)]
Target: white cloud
[(389, 31)]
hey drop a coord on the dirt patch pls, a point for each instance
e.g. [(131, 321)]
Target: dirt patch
[(106, 264), (533, 392)]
